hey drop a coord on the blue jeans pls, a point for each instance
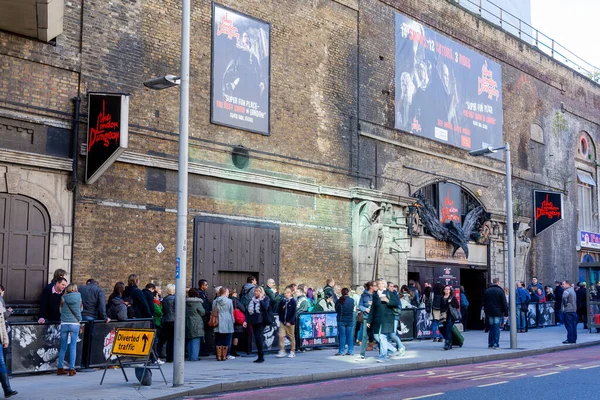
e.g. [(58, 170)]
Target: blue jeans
[(394, 336), (494, 333), (193, 348), (87, 318), (435, 325), (346, 332), (521, 318), (383, 344), (68, 332), (2, 363), (448, 324), (571, 325)]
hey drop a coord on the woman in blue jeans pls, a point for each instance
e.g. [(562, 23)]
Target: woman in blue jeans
[(345, 319), (70, 316)]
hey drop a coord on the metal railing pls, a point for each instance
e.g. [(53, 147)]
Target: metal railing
[(514, 25)]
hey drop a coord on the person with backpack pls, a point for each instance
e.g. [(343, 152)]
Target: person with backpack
[(522, 302), (247, 292)]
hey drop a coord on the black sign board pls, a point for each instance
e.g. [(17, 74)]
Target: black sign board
[(447, 275), (317, 329), (445, 91), (240, 92), (102, 338), (548, 210), (406, 325), (108, 124)]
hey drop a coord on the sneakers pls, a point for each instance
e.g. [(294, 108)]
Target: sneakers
[(291, 355), (159, 361), (230, 357), (381, 360), (360, 357), (281, 354)]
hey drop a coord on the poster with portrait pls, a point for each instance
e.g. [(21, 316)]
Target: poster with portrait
[(532, 315), (406, 325), (317, 329), (241, 65), (423, 324), (546, 315), (444, 90)]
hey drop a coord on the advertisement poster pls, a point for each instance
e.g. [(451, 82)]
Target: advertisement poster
[(589, 240), (241, 47), (450, 203), (447, 276), (406, 325), (444, 90), (108, 129), (317, 329), (423, 324), (548, 210)]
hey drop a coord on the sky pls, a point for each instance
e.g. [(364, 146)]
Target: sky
[(572, 23)]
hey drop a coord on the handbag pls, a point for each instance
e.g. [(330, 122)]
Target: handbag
[(81, 327), (214, 318), (455, 313), (238, 316), (360, 317)]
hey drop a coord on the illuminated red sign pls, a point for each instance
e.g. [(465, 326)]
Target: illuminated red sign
[(548, 208)]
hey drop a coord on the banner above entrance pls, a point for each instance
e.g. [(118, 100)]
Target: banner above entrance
[(432, 250)]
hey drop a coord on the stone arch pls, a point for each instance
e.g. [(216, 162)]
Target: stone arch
[(585, 148)]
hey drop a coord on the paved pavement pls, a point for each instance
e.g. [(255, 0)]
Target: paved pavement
[(210, 376)]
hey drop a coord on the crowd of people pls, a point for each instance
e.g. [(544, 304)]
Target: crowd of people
[(368, 317)]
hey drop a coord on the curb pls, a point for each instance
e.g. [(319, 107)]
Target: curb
[(364, 371)]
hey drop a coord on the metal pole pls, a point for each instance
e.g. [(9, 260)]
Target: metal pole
[(511, 254), (182, 198)]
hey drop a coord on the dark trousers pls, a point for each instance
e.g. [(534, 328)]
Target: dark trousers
[(464, 312), (223, 339), (258, 331), (168, 336), (571, 325), (448, 324)]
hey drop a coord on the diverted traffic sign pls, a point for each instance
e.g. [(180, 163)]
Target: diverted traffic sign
[(133, 342)]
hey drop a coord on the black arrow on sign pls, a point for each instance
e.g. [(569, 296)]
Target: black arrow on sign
[(145, 339)]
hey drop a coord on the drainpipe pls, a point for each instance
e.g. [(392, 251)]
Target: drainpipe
[(74, 181)]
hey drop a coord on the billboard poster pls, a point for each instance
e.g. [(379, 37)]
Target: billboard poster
[(450, 203), (406, 325), (548, 210), (444, 90), (317, 329), (241, 64), (108, 128), (447, 275), (589, 240)]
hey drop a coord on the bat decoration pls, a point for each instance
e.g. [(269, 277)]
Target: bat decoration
[(450, 232)]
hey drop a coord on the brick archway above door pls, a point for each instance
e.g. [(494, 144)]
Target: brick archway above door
[(24, 248)]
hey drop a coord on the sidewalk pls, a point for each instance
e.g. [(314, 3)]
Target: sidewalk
[(210, 376)]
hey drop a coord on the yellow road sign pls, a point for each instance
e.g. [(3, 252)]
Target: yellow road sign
[(133, 342)]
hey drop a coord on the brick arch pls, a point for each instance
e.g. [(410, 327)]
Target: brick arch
[(478, 199)]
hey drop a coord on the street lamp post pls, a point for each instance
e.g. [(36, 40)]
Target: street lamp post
[(182, 189), (510, 237)]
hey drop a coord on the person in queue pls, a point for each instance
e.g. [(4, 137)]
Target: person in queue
[(436, 313), (495, 307), (381, 317), (70, 318), (140, 304), (258, 308), (94, 301), (287, 320), (224, 330), (448, 300), (344, 308), (393, 336), (194, 324), (8, 392), (366, 333), (50, 301), (168, 321), (238, 329), (117, 308)]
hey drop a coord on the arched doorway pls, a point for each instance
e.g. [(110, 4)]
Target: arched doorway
[(24, 248)]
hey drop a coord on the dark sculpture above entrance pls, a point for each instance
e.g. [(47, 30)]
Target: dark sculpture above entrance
[(450, 232)]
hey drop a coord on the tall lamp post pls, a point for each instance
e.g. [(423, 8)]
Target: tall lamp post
[(182, 189), (510, 237)]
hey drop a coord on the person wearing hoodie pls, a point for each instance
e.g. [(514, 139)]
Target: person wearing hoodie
[(247, 292), (117, 309), (70, 318), (224, 330), (140, 304), (287, 323), (194, 324), (258, 309)]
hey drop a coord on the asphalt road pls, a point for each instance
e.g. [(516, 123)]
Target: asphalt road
[(571, 374)]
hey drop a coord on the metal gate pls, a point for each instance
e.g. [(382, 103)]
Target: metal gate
[(227, 251), (24, 244)]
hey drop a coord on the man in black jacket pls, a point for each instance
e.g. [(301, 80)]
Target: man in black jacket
[(94, 301), (140, 305), (495, 307), (149, 292), (328, 289), (50, 301), (558, 294)]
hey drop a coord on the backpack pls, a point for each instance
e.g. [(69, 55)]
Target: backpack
[(316, 308), (246, 297)]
